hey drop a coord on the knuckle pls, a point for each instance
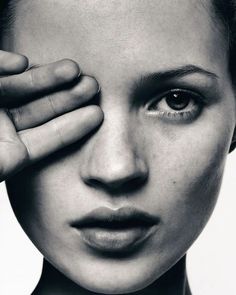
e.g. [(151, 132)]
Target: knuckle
[(26, 146), (15, 114), (52, 106), (23, 154), (57, 131)]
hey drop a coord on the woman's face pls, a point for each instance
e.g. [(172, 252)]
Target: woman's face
[(169, 118)]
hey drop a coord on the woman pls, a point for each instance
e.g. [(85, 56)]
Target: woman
[(114, 177)]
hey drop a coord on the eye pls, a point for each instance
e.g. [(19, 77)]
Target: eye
[(174, 104)]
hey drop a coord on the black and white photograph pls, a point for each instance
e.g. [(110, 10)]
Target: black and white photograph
[(117, 147)]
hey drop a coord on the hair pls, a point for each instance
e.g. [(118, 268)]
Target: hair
[(7, 8), (225, 10)]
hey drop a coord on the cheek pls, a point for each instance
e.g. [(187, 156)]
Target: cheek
[(186, 166), (42, 201), (42, 192)]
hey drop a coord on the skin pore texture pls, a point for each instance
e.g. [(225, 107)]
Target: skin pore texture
[(137, 53)]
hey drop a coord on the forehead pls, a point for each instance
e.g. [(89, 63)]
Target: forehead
[(100, 32)]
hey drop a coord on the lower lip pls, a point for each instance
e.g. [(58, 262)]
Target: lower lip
[(115, 240)]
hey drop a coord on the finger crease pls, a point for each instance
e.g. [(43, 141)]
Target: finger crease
[(16, 116), (58, 132), (31, 76), (24, 140), (52, 105)]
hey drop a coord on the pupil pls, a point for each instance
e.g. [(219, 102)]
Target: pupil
[(177, 101)]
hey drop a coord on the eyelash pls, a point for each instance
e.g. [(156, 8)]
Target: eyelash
[(175, 115)]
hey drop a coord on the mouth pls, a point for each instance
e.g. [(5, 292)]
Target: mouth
[(116, 231)]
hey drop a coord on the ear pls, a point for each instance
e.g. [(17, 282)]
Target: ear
[(233, 142)]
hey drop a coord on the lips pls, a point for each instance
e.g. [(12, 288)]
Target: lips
[(114, 231)]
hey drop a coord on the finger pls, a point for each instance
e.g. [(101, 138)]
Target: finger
[(42, 110), (12, 63), (13, 153), (36, 82), (60, 132)]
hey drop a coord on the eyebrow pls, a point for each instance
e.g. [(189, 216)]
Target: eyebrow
[(176, 73), (148, 84)]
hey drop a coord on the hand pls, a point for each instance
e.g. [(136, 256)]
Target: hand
[(39, 110)]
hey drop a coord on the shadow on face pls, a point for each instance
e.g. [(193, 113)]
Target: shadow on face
[(169, 114)]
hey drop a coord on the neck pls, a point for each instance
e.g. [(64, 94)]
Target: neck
[(172, 282)]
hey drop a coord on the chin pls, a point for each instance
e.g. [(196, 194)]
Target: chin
[(117, 284), (116, 277)]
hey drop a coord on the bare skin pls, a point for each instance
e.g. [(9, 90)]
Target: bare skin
[(55, 117), (33, 116), (173, 152), (42, 103), (172, 282), (33, 107)]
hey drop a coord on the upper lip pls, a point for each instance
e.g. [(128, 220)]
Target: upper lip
[(124, 217)]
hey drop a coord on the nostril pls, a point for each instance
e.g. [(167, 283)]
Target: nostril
[(125, 185), (92, 182), (136, 183)]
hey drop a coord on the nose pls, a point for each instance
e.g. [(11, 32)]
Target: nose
[(114, 162)]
